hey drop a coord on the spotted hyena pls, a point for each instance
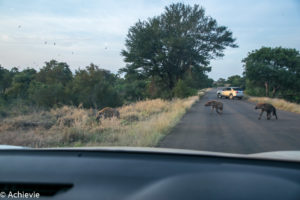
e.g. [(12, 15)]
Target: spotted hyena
[(107, 113), (268, 108), (215, 105)]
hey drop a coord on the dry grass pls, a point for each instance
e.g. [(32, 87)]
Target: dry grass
[(142, 123), (278, 103)]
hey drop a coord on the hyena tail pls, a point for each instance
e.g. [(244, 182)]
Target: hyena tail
[(274, 112)]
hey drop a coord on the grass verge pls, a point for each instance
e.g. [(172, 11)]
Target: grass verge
[(142, 124)]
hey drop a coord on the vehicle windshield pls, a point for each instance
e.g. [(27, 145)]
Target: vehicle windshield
[(151, 74)]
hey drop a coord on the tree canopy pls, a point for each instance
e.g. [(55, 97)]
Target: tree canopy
[(277, 70), (180, 40)]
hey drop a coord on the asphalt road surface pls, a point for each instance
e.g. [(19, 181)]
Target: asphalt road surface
[(237, 130)]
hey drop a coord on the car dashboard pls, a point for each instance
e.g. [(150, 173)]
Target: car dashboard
[(125, 174)]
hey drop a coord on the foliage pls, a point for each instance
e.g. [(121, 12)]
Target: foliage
[(94, 87), (55, 85), (277, 70), (46, 95), (236, 80), (5, 80), (20, 83), (181, 39), (55, 72), (182, 90), (220, 82)]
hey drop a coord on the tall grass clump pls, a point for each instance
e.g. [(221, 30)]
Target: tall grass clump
[(143, 123)]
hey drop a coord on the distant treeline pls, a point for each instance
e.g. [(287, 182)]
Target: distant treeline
[(92, 87), (270, 72)]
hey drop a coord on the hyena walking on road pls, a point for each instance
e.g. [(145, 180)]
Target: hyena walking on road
[(268, 108), (215, 105), (107, 113)]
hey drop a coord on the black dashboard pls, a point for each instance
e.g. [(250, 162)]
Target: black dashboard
[(105, 174)]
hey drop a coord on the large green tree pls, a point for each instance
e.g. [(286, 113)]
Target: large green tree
[(20, 83), (236, 80), (49, 86), (55, 72), (275, 69), (95, 87), (182, 38)]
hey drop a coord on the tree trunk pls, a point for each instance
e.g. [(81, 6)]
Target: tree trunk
[(274, 91), (170, 82), (267, 88)]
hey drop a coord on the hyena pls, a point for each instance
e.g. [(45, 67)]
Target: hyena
[(107, 113), (268, 108), (215, 105)]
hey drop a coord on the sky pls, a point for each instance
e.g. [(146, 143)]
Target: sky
[(81, 32)]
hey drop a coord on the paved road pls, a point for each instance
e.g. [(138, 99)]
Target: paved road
[(238, 130)]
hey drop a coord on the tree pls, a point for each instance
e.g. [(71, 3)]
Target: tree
[(20, 83), (236, 80), (183, 38), (220, 82), (275, 69), (197, 78), (94, 87), (46, 95), (134, 85), (5, 80), (182, 90), (55, 72)]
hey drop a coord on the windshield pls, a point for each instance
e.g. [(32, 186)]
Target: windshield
[(146, 74)]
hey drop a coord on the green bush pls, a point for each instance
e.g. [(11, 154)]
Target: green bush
[(182, 90)]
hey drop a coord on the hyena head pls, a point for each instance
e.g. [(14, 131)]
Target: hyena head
[(259, 106)]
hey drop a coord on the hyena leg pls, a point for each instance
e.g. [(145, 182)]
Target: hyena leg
[(262, 111), (274, 113), (221, 110), (218, 110), (268, 115), (212, 109)]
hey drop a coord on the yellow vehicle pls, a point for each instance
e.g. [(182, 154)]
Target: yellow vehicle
[(231, 93)]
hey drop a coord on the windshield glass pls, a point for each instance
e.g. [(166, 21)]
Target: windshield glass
[(151, 74)]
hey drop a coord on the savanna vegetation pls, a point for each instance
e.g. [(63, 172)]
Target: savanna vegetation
[(166, 57), (167, 60), (142, 123)]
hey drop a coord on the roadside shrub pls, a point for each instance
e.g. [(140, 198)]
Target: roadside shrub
[(182, 90)]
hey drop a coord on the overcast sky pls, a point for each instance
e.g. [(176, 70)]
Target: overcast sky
[(81, 31)]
